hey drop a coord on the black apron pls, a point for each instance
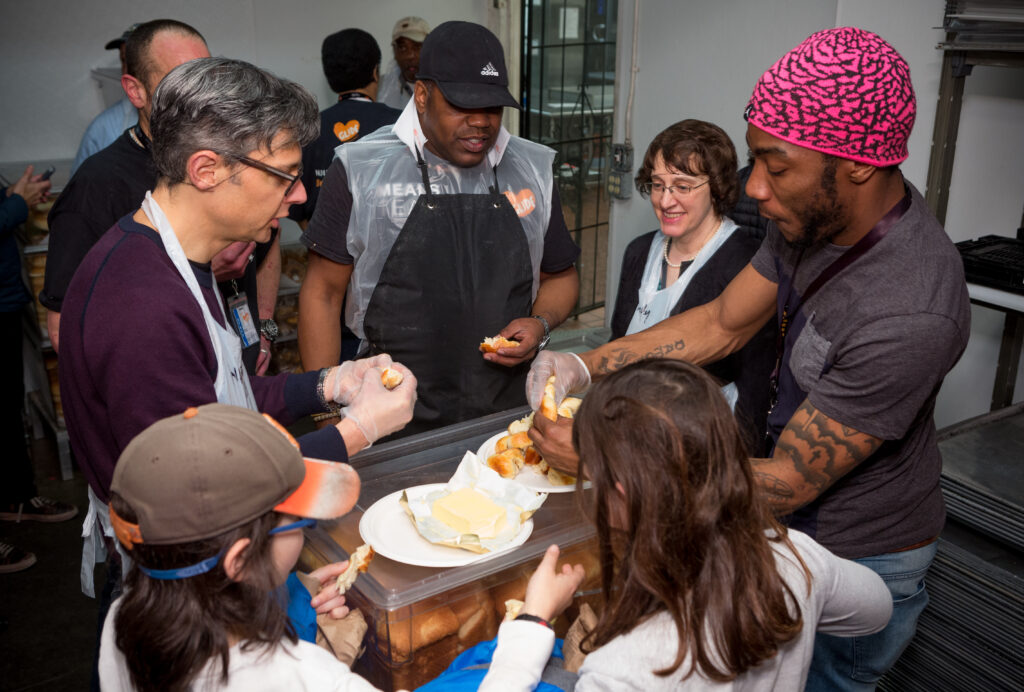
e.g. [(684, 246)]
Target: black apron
[(785, 394), (459, 271)]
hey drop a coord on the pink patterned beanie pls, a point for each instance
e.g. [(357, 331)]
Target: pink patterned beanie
[(844, 92)]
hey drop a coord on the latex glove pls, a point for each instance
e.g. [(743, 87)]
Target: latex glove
[(572, 376), (550, 591), (376, 411), (343, 382)]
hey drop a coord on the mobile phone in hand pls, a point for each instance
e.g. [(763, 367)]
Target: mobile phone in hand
[(47, 173)]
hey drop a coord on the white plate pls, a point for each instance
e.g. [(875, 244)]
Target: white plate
[(390, 531), (528, 475)]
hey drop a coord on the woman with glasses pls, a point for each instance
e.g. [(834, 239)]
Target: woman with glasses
[(689, 175)]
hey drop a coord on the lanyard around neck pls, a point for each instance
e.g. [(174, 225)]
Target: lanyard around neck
[(842, 262)]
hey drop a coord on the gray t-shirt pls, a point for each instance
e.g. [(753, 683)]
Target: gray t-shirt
[(891, 325)]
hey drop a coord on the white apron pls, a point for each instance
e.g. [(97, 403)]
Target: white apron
[(231, 385), (654, 306)]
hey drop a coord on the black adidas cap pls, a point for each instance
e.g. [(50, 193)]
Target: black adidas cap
[(467, 63)]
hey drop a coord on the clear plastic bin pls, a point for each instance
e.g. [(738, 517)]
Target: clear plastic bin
[(420, 618)]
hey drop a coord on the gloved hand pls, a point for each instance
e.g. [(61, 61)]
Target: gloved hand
[(376, 411), (572, 376), (343, 382)]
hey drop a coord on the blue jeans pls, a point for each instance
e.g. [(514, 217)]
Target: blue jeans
[(856, 663)]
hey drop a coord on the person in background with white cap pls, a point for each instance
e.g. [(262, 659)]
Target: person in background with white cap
[(108, 125), (398, 80), (873, 311), (441, 231), (210, 507)]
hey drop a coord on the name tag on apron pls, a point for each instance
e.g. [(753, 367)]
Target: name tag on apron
[(240, 313)]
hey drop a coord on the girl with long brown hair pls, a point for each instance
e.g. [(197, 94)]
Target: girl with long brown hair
[(702, 588)]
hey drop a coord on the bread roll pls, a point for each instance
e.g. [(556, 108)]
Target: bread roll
[(531, 457), (507, 463), (518, 441), (391, 378), (548, 407), (556, 477), (424, 629), (569, 406), (491, 344), (521, 425)]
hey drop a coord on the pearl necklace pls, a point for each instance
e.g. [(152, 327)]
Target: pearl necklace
[(668, 242)]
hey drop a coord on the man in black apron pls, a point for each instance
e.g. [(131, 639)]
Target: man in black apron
[(442, 231), (872, 309)]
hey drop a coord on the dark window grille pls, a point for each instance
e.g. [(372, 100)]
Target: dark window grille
[(568, 97)]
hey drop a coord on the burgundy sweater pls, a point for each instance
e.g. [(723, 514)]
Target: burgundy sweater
[(134, 349)]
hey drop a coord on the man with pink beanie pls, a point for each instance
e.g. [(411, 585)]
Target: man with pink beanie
[(873, 311)]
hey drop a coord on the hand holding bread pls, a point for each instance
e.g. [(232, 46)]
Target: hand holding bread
[(377, 411), (344, 381), (573, 376)]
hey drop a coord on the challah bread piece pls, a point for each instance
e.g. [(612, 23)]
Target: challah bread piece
[(507, 463), (358, 562), (390, 378), (491, 344), (548, 407), (519, 441)]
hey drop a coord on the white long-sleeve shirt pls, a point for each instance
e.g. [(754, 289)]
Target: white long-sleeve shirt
[(845, 599)]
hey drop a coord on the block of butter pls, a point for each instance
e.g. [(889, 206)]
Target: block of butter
[(469, 511)]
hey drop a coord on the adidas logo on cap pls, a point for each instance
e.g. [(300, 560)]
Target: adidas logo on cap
[(489, 71)]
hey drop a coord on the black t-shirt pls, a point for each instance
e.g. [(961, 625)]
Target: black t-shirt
[(327, 231), (108, 185), (351, 119)]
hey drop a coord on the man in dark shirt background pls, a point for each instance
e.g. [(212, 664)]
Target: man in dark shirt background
[(351, 61)]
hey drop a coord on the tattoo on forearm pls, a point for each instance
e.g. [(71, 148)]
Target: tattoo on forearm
[(777, 490), (621, 357)]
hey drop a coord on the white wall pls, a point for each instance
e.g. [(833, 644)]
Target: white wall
[(47, 53), (704, 65)]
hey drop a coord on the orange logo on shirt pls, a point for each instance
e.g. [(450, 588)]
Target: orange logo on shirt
[(346, 131), (523, 203)]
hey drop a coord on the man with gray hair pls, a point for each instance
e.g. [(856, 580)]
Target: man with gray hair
[(112, 183), (145, 334)]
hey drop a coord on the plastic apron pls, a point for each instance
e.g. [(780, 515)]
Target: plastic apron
[(788, 394), (458, 271), (654, 305), (231, 386)]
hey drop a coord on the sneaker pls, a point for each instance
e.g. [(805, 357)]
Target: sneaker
[(39, 509), (13, 559)]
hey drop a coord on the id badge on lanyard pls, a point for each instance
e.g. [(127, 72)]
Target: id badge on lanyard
[(242, 316)]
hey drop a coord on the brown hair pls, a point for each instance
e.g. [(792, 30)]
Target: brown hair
[(169, 630), (693, 541), (695, 147)]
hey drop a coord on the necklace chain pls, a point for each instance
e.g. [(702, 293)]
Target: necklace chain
[(676, 265)]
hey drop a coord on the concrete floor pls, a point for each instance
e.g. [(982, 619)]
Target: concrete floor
[(47, 626)]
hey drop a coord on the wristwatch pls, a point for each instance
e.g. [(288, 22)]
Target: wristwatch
[(268, 328), (547, 332)]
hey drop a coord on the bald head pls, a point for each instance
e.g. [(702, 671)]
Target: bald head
[(152, 37), (152, 50)]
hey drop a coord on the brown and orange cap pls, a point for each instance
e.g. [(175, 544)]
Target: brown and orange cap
[(216, 467)]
